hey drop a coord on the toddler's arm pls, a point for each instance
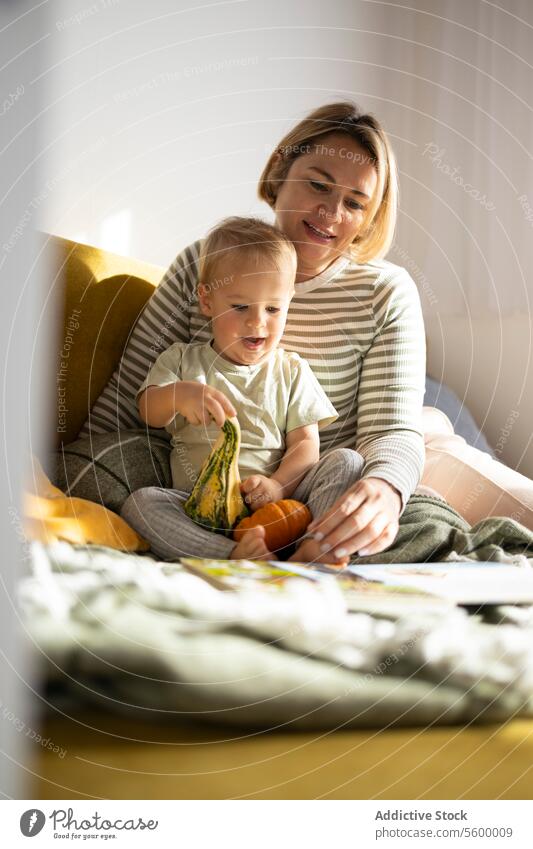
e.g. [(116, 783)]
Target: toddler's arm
[(195, 401), (303, 449)]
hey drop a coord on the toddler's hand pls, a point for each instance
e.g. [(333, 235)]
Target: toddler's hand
[(259, 490), (200, 404)]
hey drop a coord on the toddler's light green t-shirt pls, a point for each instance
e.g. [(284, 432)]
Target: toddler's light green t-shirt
[(271, 398)]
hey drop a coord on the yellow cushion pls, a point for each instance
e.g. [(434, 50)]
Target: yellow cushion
[(50, 516), (102, 295)]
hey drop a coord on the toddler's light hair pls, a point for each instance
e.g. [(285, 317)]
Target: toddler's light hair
[(244, 239)]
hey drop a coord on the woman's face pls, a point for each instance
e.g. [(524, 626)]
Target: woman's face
[(322, 203)]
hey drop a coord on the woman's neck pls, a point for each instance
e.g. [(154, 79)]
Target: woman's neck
[(304, 273)]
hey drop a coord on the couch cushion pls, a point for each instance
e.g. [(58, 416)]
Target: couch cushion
[(101, 295), (441, 396)]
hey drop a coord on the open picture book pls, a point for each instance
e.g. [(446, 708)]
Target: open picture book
[(390, 588)]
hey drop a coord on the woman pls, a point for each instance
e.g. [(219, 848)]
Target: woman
[(332, 185)]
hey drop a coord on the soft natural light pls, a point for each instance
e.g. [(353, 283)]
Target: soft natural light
[(115, 232), (81, 237)]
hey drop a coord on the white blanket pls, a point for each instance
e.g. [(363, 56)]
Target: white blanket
[(136, 635)]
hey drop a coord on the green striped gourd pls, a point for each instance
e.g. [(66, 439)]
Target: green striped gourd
[(216, 500)]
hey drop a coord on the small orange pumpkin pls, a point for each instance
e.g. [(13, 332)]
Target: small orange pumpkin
[(284, 521)]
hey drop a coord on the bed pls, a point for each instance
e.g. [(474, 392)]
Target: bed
[(317, 715)]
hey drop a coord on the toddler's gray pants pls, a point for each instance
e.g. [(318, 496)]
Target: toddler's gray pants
[(157, 514)]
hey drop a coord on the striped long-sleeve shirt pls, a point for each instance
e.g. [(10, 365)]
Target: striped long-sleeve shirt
[(359, 326)]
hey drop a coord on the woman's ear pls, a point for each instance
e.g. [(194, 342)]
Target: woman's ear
[(277, 161), (204, 299)]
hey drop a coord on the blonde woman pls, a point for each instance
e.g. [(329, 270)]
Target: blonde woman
[(355, 317)]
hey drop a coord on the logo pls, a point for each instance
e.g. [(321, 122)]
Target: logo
[(32, 822)]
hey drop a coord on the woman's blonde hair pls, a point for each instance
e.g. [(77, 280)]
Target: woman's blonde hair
[(249, 238), (377, 233)]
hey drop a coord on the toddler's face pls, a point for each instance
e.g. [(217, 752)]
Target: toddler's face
[(248, 309)]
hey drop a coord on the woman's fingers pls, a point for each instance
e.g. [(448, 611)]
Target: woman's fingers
[(383, 542), (363, 521), (360, 528), (372, 539), (343, 508)]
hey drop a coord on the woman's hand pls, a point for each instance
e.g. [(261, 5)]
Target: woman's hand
[(364, 520), (259, 490), (200, 404)]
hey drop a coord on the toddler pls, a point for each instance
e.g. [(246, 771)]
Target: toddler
[(246, 282)]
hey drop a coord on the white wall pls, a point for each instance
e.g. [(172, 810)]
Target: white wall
[(163, 118), (23, 274), (164, 113)]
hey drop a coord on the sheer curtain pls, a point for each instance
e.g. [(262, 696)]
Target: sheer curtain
[(453, 82)]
